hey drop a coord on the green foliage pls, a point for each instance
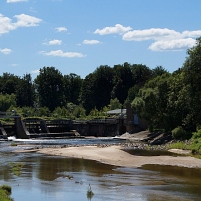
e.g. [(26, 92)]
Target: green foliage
[(122, 81), (6, 101), (141, 74), (43, 112), (72, 88), (195, 146), (5, 192), (25, 94), (158, 71), (16, 168), (7, 189), (61, 112), (178, 133), (49, 84), (114, 104), (197, 135), (28, 111), (96, 88), (178, 145)]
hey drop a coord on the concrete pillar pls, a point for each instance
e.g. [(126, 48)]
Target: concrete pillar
[(20, 130), (130, 117)]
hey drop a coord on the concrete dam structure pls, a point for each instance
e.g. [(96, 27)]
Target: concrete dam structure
[(62, 128)]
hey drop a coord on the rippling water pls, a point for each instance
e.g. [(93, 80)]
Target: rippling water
[(46, 178)]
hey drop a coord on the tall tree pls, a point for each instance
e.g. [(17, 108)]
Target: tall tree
[(72, 88), (192, 80), (141, 74), (96, 88), (123, 81), (25, 94), (9, 83), (49, 84), (87, 93), (158, 70)]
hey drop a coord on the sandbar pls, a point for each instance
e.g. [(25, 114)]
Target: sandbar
[(114, 155)]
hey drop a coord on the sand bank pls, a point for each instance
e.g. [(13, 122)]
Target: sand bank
[(114, 155)]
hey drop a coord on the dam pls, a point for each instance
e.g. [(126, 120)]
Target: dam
[(63, 128)]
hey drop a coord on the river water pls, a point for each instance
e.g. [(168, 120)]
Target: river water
[(51, 178)]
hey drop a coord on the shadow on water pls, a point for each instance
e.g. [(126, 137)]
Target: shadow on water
[(143, 152), (53, 178), (185, 181)]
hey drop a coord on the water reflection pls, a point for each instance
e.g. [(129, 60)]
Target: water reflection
[(51, 178), (143, 152)]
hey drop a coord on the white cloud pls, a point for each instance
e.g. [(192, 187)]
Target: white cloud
[(23, 20), (175, 45), (26, 21), (35, 71), (151, 34), (193, 34), (5, 51), (15, 1), (60, 53), (14, 64), (165, 39), (117, 29), (54, 42), (91, 42), (60, 29)]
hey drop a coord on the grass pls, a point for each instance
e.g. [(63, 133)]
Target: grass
[(178, 145), (194, 145), (5, 192), (16, 168)]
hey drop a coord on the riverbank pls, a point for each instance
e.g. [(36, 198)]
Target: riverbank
[(114, 155)]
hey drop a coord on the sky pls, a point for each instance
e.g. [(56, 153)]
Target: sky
[(78, 36)]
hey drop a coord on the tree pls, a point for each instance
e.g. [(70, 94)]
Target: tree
[(192, 81), (9, 83), (152, 102), (6, 101), (122, 81), (87, 93), (25, 94), (49, 84), (158, 70), (141, 74), (114, 104), (96, 88), (72, 88)]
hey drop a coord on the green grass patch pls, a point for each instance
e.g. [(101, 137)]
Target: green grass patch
[(16, 168), (194, 145), (178, 145), (5, 192)]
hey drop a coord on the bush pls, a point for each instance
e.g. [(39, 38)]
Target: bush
[(6, 188), (178, 133), (197, 134)]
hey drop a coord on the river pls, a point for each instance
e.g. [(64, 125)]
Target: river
[(51, 178)]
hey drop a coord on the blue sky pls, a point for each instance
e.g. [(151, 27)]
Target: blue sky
[(77, 36)]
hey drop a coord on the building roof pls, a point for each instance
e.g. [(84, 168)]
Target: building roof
[(117, 111)]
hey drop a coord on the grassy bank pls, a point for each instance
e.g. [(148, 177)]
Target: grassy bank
[(5, 192), (194, 145)]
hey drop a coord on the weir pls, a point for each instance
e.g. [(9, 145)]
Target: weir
[(35, 127)]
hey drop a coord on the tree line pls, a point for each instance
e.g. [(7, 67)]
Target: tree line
[(166, 100)]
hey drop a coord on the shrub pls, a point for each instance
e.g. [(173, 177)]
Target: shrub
[(6, 188), (178, 133), (197, 134)]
